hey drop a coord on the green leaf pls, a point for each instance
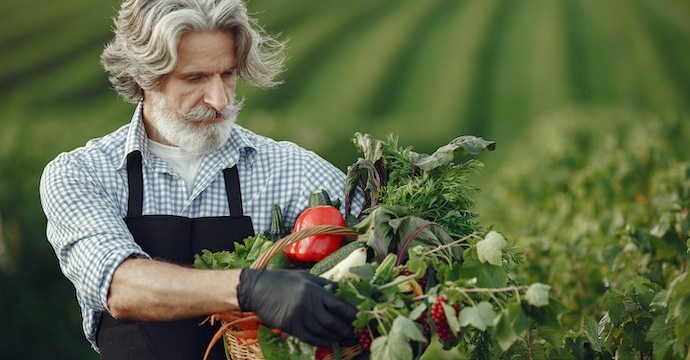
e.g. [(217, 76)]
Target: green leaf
[(480, 316), (276, 348), (416, 265), (487, 275), (661, 334), (396, 346), (456, 149), (364, 272), (376, 231), (385, 271), (413, 231), (518, 319), (505, 333), (408, 328), (538, 294), (624, 352), (615, 308), (451, 317), (380, 349), (681, 314), (417, 311), (445, 272), (594, 334), (489, 249), (370, 147)]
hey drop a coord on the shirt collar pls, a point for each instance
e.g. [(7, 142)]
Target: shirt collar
[(228, 155)]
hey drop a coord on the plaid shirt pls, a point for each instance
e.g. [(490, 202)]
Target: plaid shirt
[(84, 196)]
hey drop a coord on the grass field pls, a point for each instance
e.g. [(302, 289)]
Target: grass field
[(426, 70)]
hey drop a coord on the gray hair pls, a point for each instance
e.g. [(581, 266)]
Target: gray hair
[(147, 33)]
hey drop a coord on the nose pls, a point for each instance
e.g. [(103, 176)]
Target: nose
[(216, 95)]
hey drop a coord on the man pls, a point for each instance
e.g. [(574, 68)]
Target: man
[(127, 212)]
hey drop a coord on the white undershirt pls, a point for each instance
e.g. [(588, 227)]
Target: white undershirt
[(185, 164)]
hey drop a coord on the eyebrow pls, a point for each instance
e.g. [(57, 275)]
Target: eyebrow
[(202, 73)]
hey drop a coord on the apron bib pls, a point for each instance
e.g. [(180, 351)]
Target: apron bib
[(174, 239)]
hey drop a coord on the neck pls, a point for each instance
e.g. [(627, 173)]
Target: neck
[(150, 128)]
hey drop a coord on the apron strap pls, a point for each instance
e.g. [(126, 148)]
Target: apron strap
[(135, 181), (232, 190)]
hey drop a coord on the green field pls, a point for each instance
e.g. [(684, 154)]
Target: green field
[(425, 70)]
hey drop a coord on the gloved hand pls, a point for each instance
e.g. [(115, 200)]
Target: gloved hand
[(297, 303)]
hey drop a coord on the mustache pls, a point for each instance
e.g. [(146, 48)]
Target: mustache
[(205, 113)]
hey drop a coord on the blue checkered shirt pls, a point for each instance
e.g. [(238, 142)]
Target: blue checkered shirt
[(84, 196)]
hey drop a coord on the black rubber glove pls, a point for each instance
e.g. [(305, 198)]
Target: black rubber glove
[(297, 303)]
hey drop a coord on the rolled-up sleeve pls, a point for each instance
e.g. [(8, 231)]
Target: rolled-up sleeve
[(85, 228)]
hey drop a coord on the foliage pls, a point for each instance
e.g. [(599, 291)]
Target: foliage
[(351, 65), (608, 229), (469, 299), (244, 253)]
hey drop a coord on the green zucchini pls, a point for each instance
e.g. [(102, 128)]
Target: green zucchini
[(336, 257), (319, 197), (278, 261), (277, 227)]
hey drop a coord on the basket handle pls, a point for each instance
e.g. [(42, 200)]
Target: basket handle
[(281, 244)]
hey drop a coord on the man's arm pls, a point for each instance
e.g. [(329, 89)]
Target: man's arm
[(294, 301), (145, 289)]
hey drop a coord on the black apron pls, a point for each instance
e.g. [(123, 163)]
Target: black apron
[(174, 239)]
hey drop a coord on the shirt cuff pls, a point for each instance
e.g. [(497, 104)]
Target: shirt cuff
[(114, 261)]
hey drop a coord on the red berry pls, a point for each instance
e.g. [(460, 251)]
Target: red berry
[(322, 352), (440, 321), (426, 329), (364, 338)]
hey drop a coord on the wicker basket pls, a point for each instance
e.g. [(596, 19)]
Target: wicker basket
[(241, 349)]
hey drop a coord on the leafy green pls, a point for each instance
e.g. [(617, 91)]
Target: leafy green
[(413, 232), (376, 230), (242, 256), (419, 223), (433, 187), (456, 149), (444, 196), (275, 348), (396, 345)]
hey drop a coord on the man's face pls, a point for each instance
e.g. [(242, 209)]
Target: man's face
[(194, 107)]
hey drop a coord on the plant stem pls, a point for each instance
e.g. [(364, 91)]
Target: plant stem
[(494, 290), (469, 298), (453, 243), (529, 344), (397, 281), (481, 290)]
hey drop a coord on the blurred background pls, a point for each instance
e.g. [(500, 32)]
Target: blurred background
[(427, 71)]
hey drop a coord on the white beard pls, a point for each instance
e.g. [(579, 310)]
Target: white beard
[(191, 130)]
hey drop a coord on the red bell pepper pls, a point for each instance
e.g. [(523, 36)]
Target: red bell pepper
[(317, 247)]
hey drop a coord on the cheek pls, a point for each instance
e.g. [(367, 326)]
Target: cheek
[(188, 99)]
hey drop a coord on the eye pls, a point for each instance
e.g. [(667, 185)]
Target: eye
[(195, 79), (228, 74)]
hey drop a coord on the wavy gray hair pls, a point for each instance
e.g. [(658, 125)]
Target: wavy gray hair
[(147, 33)]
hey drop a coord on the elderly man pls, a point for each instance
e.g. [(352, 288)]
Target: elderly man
[(127, 212)]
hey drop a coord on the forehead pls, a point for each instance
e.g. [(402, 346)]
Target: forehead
[(206, 52)]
